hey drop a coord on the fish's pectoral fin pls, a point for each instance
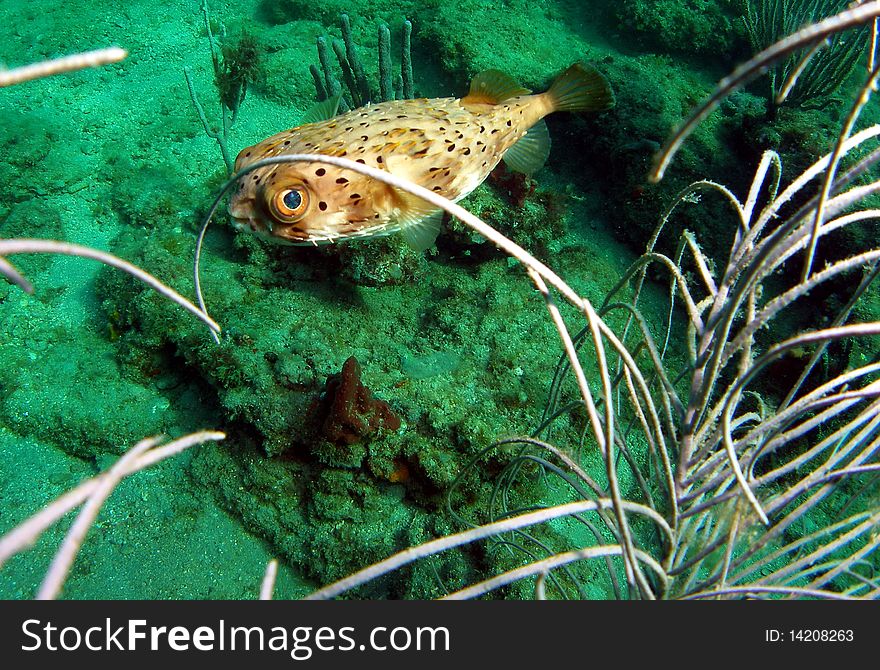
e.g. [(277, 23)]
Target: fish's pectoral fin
[(422, 234), (493, 86), (531, 151), (419, 221), (322, 111)]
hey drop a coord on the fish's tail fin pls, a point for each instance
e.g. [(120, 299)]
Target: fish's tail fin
[(581, 88)]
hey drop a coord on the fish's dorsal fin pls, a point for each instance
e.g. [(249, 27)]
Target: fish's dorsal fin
[(530, 152), (321, 111), (493, 86), (419, 221)]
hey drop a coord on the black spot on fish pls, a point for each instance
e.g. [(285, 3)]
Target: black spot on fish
[(378, 159), (467, 151), (355, 196), (494, 130), (320, 172), (482, 129), (342, 180), (322, 206), (361, 161), (364, 138), (509, 123), (451, 147), (437, 188), (420, 153)]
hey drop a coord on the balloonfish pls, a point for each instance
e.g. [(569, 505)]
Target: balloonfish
[(448, 145)]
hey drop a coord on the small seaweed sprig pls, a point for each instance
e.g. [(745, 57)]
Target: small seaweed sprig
[(236, 65)]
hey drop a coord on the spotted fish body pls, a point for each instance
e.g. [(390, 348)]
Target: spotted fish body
[(448, 145)]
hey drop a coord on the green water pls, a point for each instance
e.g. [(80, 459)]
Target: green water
[(456, 340)]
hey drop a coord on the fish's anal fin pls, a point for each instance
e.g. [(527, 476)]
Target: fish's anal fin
[(321, 111), (530, 152), (419, 221), (491, 87)]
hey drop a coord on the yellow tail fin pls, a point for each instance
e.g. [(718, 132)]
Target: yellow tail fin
[(580, 89)]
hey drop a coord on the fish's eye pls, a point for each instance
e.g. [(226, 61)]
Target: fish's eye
[(289, 204)]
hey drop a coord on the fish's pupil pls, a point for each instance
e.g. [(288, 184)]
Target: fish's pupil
[(292, 199)]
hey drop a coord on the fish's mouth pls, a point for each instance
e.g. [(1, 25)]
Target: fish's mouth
[(243, 220), (247, 225), (242, 217)]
